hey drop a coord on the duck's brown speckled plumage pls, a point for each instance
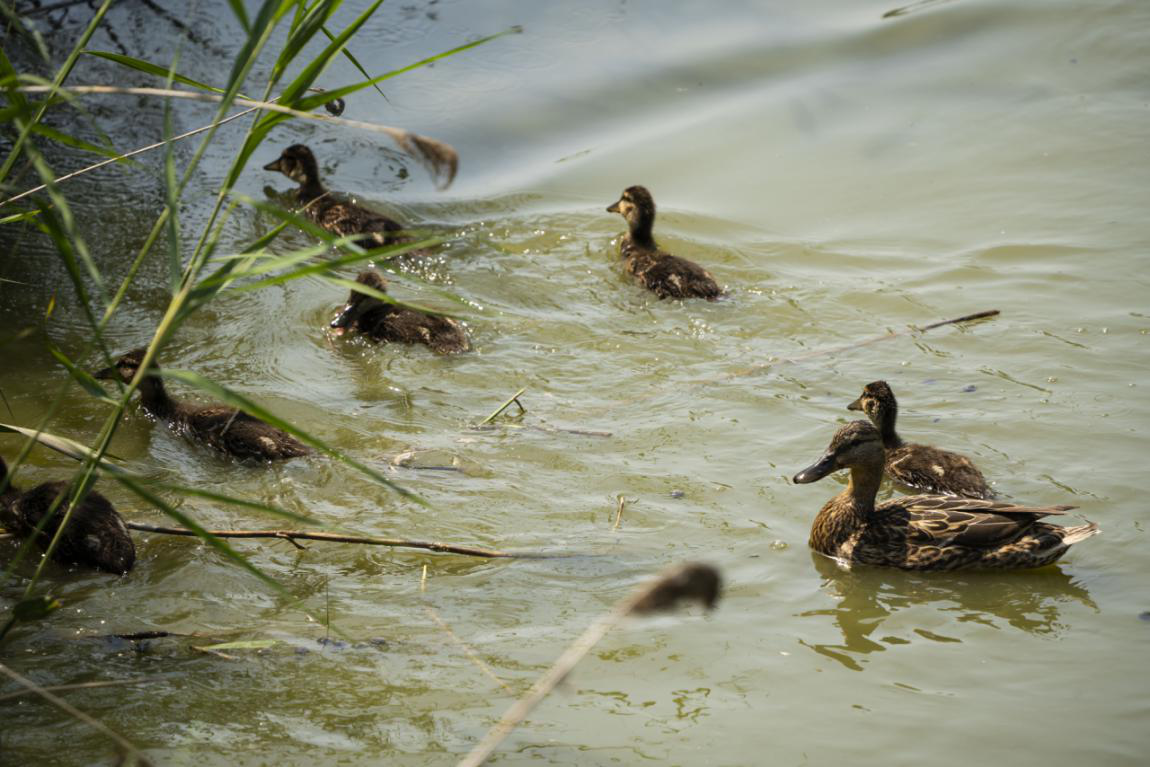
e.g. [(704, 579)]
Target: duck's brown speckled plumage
[(332, 211), (668, 276), (919, 466), (220, 427), (925, 532), (382, 321), (95, 537)]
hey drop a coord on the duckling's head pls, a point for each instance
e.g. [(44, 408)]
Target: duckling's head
[(125, 367), (856, 444), (637, 206), (877, 402), (358, 303), (297, 163)]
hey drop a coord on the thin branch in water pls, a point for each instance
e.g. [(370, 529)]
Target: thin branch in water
[(467, 650), (514, 398), (307, 535), (619, 512), (440, 159), (81, 686), (912, 7), (125, 745), (857, 344), (692, 581)]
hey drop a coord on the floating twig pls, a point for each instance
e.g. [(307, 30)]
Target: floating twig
[(916, 6), (514, 398), (856, 344), (308, 535), (82, 686), (619, 513), (126, 746), (687, 582), (467, 650)]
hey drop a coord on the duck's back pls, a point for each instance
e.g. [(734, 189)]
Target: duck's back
[(669, 276), (238, 434), (402, 325), (343, 217), (933, 470), (934, 532), (96, 535)]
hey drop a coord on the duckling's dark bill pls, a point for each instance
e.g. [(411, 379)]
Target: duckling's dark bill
[(614, 207), (856, 405), (816, 471), (342, 320), (275, 165)]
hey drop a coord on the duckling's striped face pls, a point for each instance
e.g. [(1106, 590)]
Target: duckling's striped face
[(634, 205), (855, 444), (125, 367), (876, 400), (297, 163)]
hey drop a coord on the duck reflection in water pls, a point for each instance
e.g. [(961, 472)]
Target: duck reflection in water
[(1029, 601)]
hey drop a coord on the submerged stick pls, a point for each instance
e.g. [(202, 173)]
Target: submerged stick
[(619, 513), (859, 344), (690, 581), (125, 745), (307, 535), (81, 686), (514, 398)]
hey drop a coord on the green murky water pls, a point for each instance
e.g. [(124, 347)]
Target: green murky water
[(843, 175)]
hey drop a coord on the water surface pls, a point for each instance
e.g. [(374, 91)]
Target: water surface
[(843, 175)]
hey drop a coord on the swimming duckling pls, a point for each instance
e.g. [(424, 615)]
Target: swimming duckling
[(333, 212), (387, 322), (919, 466), (925, 532), (668, 276), (223, 428), (95, 537)]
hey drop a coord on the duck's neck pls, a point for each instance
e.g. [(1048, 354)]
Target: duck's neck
[(848, 512), (640, 233), (884, 419), (8, 492), (310, 188), (863, 486), (155, 397)]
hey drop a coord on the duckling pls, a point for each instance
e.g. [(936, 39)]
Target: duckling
[(668, 276), (96, 536), (919, 466), (387, 322), (925, 532), (333, 212), (220, 427)]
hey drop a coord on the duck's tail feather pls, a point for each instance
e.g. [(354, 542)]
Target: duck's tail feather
[(1082, 532)]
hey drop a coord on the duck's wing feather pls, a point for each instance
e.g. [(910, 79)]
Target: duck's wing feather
[(944, 520), (673, 277), (937, 471)]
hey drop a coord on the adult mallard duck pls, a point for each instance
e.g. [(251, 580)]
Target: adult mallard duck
[(95, 537), (382, 321), (668, 276), (331, 211), (919, 466), (925, 532), (220, 427)]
